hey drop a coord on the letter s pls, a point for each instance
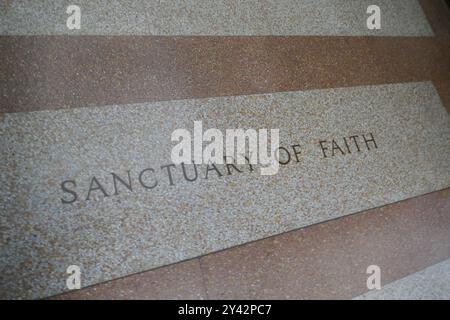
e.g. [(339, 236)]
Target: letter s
[(64, 188)]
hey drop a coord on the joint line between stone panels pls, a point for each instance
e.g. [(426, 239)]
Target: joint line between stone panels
[(203, 277)]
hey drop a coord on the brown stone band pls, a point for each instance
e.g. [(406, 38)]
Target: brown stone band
[(323, 261), (52, 72), (437, 13)]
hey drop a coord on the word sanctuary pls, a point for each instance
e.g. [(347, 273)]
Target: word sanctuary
[(170, 174)]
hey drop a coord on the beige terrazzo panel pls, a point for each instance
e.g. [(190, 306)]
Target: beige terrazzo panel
[(432, 283), (134, 231), (219, 17), (323, 261)]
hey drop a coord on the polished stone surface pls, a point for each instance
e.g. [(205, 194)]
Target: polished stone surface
[(432, 283), (329, 260), (182, 280), (135, 231), (325, 260), (57, 72), (322, 261), (220, 17)]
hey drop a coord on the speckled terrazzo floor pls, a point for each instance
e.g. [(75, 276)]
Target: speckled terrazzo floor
[(432, 283), (390, 158), (326, 260), (223, 18)]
